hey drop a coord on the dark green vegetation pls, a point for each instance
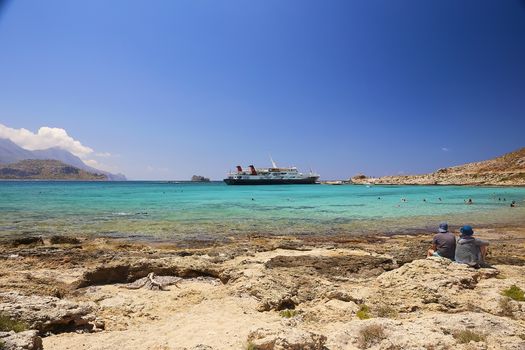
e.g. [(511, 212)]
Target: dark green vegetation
[(35, 169), (515, 293), (288, 313), (363, 313), (7, 324)]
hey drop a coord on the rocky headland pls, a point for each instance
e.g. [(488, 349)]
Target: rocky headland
[(47, 169), (507, 170), (260, 292), (47, 164)]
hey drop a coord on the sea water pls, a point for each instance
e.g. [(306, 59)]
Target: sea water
[(171, 211)]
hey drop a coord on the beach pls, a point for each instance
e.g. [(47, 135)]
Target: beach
[(264, 292)]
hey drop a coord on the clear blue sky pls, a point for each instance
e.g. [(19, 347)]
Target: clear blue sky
[(175, 88)]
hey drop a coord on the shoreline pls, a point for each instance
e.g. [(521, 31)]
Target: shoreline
[(232, 237)]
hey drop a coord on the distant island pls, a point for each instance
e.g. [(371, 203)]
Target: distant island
[(46, 169), (54, 163), (506, 170), (198, 178)]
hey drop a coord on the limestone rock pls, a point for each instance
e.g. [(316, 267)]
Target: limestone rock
[(27, 340), (429, 283), (29, 240), (47, 314), (64, 240), (290, 339), (129, 272)]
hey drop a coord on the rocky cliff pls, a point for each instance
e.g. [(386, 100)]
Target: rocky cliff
[(36, 169), (507, 170)]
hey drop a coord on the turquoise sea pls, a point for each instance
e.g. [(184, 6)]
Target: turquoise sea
[(171, 211)]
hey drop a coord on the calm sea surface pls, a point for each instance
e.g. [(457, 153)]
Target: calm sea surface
[(156, 210)]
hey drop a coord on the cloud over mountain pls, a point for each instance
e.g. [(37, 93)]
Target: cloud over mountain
[(46, 137)]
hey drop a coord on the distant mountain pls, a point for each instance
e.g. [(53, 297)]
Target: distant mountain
[(506, 170), (11, 153), (47, 169)]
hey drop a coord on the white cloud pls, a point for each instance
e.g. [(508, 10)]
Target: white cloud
[(46, 137), (444, 149)]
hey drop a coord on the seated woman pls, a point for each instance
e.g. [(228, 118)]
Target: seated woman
[(470, 250)]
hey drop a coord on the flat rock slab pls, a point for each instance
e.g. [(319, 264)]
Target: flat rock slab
[(27, 340), (346, 265), (47, 314)]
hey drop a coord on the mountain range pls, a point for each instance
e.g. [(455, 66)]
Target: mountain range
[(12, 153)]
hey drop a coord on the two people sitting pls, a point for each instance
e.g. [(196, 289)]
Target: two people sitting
[(466, 250)]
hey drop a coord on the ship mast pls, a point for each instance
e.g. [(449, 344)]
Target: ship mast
[(273, 163)]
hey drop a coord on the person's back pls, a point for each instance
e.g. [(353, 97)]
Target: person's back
[(443, 243), (470, 250)]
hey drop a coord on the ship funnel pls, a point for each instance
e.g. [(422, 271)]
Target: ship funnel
[(252, 169), (239, 169)]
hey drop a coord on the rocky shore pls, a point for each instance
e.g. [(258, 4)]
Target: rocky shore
[(259, 292), (507, 170)]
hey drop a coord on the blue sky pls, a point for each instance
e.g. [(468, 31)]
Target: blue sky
[(175, 88)]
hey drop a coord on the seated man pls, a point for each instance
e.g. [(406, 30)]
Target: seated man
[(470, 250), (443, 243)]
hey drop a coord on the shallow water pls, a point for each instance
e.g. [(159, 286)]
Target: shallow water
[(156, 210)]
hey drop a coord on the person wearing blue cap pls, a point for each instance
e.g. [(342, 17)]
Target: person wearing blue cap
[(470, 250), (443, 243)]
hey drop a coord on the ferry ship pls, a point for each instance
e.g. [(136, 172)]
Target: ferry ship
[(270, 176)]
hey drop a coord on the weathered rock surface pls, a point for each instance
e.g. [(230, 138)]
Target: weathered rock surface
[(290, 339), (286, 281), (433, 283), (64, 240), (29, 240), (438, 331), (123, 272), (27, 340), (47, 314), (330, 283)]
